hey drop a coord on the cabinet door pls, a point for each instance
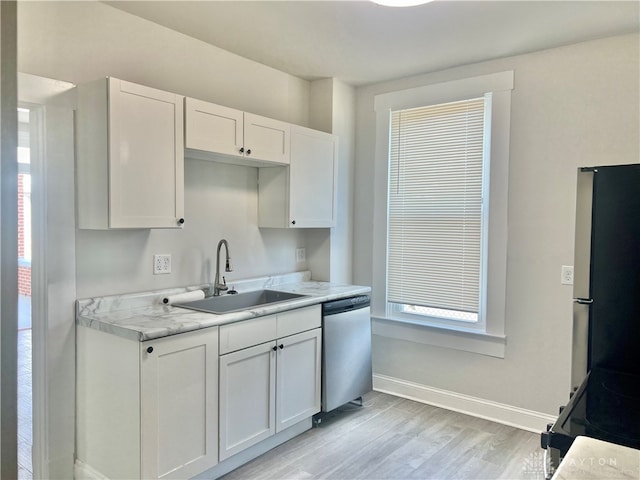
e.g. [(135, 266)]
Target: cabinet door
[(146, 157), (247, 398), (298, 378), (266, 139), (312, 178), (179, 404), (213, 128)]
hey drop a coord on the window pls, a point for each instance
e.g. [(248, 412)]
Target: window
[(440, 218), (435, 203)]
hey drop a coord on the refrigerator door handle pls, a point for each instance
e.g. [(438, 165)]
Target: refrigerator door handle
[(583, 301)]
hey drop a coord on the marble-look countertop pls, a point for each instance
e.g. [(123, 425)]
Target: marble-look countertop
[(143, 316), (591, 459)]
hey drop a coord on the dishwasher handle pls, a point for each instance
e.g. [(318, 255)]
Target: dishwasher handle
[(345, 305)]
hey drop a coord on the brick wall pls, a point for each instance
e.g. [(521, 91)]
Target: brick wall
[(24, 281), (24, 268)]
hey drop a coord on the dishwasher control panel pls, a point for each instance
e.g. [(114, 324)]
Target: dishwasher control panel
[(346, 304)]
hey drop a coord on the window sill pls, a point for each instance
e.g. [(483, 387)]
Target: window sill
[(457, 339)]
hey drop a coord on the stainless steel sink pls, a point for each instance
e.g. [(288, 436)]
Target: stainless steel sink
[(241, 301)]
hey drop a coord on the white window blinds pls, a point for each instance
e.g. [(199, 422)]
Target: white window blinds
[(435, 206)]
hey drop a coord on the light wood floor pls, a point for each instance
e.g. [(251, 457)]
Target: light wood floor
[(394, 438), (25, 437)]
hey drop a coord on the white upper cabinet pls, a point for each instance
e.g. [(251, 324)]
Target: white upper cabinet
[(312, 177), (302, 195), (130, 161), (212, 128), (266, 139), (214, 132)]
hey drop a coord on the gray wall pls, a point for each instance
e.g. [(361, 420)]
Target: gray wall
[(333, 110), (572, 106)]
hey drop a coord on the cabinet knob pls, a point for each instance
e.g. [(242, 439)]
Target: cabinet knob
[(248, 151), (274, 349), (241, 149), (293, 222), (181, 221), (149, 349), (281, 346)]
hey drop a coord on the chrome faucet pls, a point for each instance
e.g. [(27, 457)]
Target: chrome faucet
[(217, 286)]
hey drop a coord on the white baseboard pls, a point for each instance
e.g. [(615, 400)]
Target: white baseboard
[(82, 471), (478, 407)]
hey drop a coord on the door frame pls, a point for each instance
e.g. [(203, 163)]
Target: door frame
[(8, 241), (53, 297)]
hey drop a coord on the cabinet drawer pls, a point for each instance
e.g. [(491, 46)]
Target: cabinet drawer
[(300, 320), (247, 333)]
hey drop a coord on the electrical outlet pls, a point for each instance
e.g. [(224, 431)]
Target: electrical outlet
[(301, 255), (161, 264), (566, 275)]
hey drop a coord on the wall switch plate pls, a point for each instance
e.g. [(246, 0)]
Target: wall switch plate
[(566, 275), (161, 264), (301, 255)]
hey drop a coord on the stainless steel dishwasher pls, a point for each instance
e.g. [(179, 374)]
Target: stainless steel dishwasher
[(346, 351)]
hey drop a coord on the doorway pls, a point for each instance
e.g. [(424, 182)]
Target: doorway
[(25, 393), (46, 336)]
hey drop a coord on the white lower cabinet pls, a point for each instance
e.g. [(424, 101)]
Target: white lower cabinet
[(298, 378), (147, 409), (268, 387), (179, 398), (247, 397), (177, 406)]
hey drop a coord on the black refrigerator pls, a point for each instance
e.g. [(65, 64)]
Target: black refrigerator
[(605, 376)]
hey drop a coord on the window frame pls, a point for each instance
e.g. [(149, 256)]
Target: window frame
[(486, 337), (395, 309)]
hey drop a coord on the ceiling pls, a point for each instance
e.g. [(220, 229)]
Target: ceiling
[(360, 42)]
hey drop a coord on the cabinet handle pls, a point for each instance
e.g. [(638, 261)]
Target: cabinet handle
[(150, 350), (275, 349), (293, 222), (180, 221), (241, 149), (281, 346), (248, 151)]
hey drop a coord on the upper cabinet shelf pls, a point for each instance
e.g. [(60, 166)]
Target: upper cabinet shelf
[(130, 163), (223, 134)]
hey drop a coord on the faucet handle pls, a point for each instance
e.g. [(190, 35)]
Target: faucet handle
[(221, 287)]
